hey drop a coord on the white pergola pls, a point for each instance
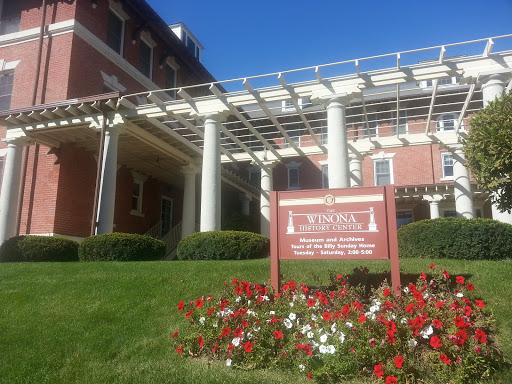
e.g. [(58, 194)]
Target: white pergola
[(266, 119)]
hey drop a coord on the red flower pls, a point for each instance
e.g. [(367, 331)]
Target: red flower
[(459, 279), (311, 302), (239, 290), (175, 334), (327, 316), (446, 275), (245, 323), (467, 311), (248, 347), (423, 276), (459, 322), (439, 304), (477, 349), (399, 360), (215, 347), (479, 303), (386, 292), (362, 318), (181, 304), (179, 349), (200, 341), (210, 311), (189, 313), (435, 342), (437, 323), (238, 332), (278, 335), (234, 281), (470, 287), (378, 370), (481, 336), (432, 266), (226, 331), (199, 303), (356, 305), (310, 376), (390, 380), (444, 359)]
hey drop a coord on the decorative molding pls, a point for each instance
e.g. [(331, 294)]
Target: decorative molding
[(8, 65), (112, 82), (382, 155)]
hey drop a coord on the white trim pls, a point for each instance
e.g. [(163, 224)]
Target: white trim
[(440, 121), (382, 155), (8, 65), (446, 178), (112, 82), (138, 179), (387, 159), (117, 8)]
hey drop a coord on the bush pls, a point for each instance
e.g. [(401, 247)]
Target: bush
[(240, 222), (475, 239), (121, 247), (38, 248), (223, 245)]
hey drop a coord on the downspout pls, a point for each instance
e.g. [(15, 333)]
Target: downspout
[(94, 221), (34, 96)]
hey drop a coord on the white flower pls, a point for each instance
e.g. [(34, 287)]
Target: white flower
[(427, 332), (292, 316), (406, 290), (313, 317), (215, 325), (374, 308), (265, 298), (236, 341), (256, 329), (306, 328), (301, 367), (249, 335), (412, 342), (323, 338), (287, 323), (370, 315), (331, 349), (238, 299), (323, 349), (272, 312), (291, 304), (459, 294), (228, 362), (303, 296), (251, 312), (333, 327), (310, 335), (404, 320), (342, 337), (349, 324), (201, 320)]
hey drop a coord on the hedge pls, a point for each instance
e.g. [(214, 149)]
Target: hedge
[(223, 245), (121, 247), (474, 239), (241, 222), (38, 248)]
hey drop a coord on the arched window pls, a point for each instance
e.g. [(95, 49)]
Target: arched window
[(446, 122)]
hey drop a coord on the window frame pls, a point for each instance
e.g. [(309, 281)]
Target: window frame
[(443, 156), (396, 123), (11, 86), (151, 54), (367, 129), (402, 211), (171, 94), (441, 119), (17, 18), (139, 180), (325, 176), (291, 168)]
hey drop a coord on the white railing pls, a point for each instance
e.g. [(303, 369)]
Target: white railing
[(172, 238), (155, 230)]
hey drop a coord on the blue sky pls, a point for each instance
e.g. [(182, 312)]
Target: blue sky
[(245, 38)]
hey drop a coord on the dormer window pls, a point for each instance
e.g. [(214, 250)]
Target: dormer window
[(446, 122), (287, 105), (441, 82), (10, 16), (193, 45)]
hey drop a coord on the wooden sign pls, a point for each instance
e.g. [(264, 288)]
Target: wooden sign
[(348, 223)]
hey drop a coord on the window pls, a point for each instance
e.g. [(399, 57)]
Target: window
[(402, 123), (324, 135), (170, 80), (115, 32), (370, 130), (446, 122), (293, 130), (254, 175), (403, 218), (383, 172), (6, 81), (449, 214), (287, 105), (441, 82), (10, 16), (137, 192), (293, 175), (166, 215), (191, 45), (447, 164), (145, 59), (325, 176)]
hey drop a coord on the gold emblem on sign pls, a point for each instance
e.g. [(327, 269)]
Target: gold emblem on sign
[(329, 200)]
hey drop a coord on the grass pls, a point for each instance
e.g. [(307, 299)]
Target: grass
[(111, 322)]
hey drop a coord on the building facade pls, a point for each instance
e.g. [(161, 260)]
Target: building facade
[(113, 124)]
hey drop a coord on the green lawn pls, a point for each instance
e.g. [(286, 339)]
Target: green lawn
[(111, 322)]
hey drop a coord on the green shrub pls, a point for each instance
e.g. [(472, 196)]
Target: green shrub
[(38, 248), (241, 222), (223, 245), (121, 247), (475, 239)]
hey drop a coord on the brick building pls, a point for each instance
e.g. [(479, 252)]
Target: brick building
[(125, 117)]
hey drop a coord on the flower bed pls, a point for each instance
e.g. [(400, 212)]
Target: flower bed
[(435, 332)]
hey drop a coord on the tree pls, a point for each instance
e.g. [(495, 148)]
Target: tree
[(488, 150)]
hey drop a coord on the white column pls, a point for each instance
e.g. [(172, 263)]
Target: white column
[(188, 221), (493, 87), (433, 201), (211, 175), (246, 204), (10, 193), (356, 171), (339, 173), (107, 202), (462, 186), (266, 188)]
